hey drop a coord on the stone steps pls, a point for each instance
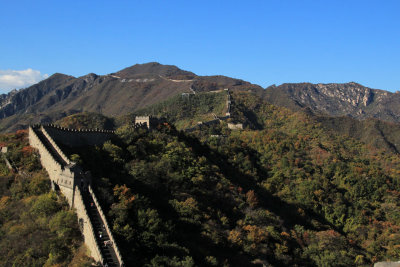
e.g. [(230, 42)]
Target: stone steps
[(108, 252)]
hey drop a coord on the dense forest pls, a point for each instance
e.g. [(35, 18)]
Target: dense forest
[(282, 192)]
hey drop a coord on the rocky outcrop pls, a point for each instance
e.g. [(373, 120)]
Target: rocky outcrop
[(334, 99)]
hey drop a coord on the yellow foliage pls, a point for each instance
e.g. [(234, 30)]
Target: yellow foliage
[(234, 237), (3, 202), (255, 234)]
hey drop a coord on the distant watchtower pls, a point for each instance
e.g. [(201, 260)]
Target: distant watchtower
[(147, 121)]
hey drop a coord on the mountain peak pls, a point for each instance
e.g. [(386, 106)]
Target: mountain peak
[(154, 68)]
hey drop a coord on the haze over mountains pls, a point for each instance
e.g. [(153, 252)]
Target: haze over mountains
[(142, 85)]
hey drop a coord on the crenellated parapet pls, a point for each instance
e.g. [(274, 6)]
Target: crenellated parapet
[(76, 137), (54, 126)]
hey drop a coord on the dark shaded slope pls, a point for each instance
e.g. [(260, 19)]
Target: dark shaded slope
[(15, 102), (377, 133)]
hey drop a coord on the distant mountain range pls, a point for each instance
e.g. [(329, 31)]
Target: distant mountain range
[(113, 95), (142, 85), (334, 99)]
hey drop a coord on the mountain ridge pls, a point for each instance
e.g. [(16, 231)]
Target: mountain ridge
[(113, 94), (345, 99), (142, 85)]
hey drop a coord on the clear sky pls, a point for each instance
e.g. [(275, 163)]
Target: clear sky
[(264, 42)]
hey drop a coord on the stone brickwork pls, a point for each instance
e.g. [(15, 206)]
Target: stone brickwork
[(70, 179), (87, 227), (52, 167), (103, 217)]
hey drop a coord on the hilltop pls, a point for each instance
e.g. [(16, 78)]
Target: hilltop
[(112, 95)]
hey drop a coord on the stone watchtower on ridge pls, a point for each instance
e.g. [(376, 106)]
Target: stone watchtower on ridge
[(148, 121)]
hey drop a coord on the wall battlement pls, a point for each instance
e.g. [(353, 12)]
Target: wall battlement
[(72, 130), (76, 137)]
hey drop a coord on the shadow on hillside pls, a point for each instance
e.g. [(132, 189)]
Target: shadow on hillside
[(286, 211)]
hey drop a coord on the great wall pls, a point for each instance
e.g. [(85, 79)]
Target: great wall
[(218, 119), (75, 185), (67, 177)]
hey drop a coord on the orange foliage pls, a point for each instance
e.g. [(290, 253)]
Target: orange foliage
[(234, 237), (27, 150), (21, 134), (124, 194), (284, 234), (3, 202)]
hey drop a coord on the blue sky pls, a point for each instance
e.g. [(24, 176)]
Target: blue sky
[(264, 42)]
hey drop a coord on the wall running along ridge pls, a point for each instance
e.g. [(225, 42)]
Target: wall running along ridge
[(67, 175), (78, 137)]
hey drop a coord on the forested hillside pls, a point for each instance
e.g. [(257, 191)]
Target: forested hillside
[(290, 193), (187, 110), (37, 228), (86, 120)]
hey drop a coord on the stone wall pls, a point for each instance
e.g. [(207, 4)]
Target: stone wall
[(143, 120), (149, 122), (235, 126), (55, 146), (66, 177), (60, 175), (87, 227), (52, 167), (76, 138), (103, 217)]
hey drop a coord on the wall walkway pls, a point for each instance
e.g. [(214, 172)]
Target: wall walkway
[(75, 186)]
